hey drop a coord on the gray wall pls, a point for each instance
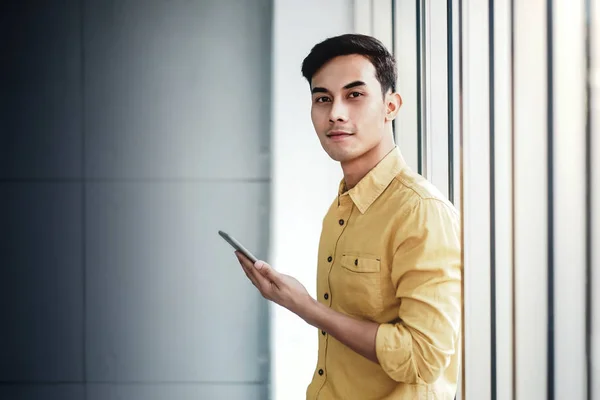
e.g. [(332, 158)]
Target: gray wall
[(130, 132)]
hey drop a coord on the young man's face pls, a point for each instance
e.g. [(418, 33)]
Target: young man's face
[(348, 108)]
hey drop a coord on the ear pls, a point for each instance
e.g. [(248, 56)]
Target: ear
[(393, 102)]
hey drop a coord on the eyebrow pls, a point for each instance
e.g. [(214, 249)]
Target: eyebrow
[(351, 85)]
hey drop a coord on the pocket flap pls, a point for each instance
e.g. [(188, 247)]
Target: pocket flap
[(361, 263)]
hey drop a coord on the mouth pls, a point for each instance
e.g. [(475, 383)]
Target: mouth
[(338, 135)]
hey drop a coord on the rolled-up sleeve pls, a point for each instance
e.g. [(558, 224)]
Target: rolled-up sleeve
[(426, 274)]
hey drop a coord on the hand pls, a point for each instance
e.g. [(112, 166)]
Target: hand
[(279, 288), (289, 293)]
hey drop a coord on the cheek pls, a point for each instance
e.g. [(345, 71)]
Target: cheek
[(313, 117), (371, 115), (377, 115), (319, 117)]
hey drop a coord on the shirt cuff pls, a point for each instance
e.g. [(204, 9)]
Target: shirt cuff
[(393, 347)]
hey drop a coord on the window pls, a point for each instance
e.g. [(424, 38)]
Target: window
[(501, 114)]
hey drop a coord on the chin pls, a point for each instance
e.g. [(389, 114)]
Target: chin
[(341, 155)]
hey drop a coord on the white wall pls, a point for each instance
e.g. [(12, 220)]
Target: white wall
[(304, 180)]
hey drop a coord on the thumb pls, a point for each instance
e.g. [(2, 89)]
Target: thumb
[(266, 270)]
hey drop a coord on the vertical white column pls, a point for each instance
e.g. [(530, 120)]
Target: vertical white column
[(476, 200), (363, 19), (382, 18), (436, 112), (531, 198), (503, 184), (406, 57), (569, 161)]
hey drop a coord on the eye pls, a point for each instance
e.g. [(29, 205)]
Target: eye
[(322, 99), (355, 94)]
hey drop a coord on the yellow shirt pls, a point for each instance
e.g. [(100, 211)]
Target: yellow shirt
[(390, 252)]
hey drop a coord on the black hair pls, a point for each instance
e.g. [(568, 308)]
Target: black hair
[(367, 46)]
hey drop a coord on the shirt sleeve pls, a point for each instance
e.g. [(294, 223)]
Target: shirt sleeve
[(426, 273)]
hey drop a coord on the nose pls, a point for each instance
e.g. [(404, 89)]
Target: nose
[(338, 112)]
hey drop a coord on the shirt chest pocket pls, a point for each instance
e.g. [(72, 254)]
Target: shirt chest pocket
[(358, 285)]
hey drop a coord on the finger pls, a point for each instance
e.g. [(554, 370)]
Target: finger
[(267, 271), (247, 268), (262, 272), (250, 276), (260, 281), (242, 258), (246, 263)]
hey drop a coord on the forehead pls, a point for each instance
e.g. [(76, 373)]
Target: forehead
[(340, 71)]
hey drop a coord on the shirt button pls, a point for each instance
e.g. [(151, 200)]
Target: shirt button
[(329, 259), (341, 222), (323, 333), (321, 372), (326, 295)]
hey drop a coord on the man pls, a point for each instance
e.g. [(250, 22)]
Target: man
[(389, 262)]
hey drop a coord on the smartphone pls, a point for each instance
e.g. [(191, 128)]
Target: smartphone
[(238, 246)]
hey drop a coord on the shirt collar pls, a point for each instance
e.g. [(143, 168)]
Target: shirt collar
[(376, 181)]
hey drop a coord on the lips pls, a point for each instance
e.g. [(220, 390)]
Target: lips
[(339, 136), (334, 134)]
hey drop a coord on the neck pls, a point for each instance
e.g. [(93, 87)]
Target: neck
[(356, 169)]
